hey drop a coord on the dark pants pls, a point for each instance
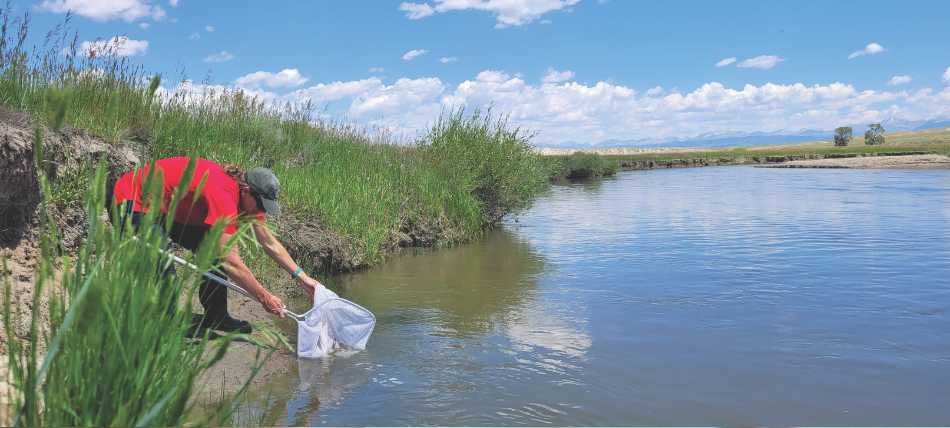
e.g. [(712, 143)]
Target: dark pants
[(213, 296)]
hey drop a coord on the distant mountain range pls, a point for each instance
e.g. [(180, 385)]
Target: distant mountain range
[(754, 138)]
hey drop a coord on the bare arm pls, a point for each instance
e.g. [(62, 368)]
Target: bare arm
[(239, 273), (276, 251)]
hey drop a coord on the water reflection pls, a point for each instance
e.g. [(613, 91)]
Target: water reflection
[(459, 291), (663, 298)]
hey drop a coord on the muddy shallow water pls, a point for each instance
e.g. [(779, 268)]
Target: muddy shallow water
[(721, 296)]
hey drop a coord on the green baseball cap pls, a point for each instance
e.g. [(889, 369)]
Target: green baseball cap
[(264, 185)]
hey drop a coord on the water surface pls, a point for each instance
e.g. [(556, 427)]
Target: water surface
[(720, 296)]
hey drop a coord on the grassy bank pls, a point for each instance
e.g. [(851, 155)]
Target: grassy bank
[(459, 178), (580, 166), (111, 334), (923, 141)]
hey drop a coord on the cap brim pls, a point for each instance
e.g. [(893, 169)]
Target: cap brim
[(270, 207)]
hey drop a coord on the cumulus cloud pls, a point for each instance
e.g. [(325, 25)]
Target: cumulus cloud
[(507, 13), (106, 10), (554, 76), (285, 78), (223, 56), (570, 111), (413, 54), (376, 69), (396, 97), (173, 3), (335, 91), (416, 10), (209, 28), (899, 80), (119, 46), (726, 61), (448, 59), (946, 76), (762, 62), (871, 49)]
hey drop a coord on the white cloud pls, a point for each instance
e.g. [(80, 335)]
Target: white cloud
[(335, 91), (209, 28), (448, 59), (405, 93), (106, 10), (554, 76), (375, 70), (946, 76), (763, 62), (194, 36), (507, 13), (223, 56), (589, 113), (413, 54), (899, 80), (144, 25), (119, 46), (288, 77), (726, 61), (416, 10), (173, 3), (871, 49)]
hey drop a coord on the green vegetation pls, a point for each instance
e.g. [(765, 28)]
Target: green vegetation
[(874, 136), (486, 158), (463, 175), (115, 347), (843, 135), (580, 166), (925, 141), (115, 353)]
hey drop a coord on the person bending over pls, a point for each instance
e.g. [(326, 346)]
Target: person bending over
[(228, 192)]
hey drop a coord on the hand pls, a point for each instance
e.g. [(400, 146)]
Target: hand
[(272, 304), (308, 284)]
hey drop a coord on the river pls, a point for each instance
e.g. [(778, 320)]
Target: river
[(706, 296)]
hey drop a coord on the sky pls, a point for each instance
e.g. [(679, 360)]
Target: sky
[(574, 72)]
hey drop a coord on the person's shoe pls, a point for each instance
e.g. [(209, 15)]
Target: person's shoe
[(228, 324)]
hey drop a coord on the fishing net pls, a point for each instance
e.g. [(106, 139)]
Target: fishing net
[(333, 323)]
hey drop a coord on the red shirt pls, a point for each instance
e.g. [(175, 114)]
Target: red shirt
[(219, 199)]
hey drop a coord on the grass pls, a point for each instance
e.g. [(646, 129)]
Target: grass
[(116, 352), (580, 166), (463, 175), (930, 141)]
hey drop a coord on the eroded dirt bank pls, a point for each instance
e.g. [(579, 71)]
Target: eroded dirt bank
[(872, 162), (635, 165)]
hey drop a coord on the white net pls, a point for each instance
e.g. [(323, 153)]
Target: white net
[(333, 323)]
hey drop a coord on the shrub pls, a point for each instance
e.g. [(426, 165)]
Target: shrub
[(874, 135), (842, 136)]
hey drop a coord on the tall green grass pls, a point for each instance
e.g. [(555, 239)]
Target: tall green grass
[(580, 166), (482, 155), (115, 352), (464, 174)]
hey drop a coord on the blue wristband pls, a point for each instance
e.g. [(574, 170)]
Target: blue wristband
[(296, 273)]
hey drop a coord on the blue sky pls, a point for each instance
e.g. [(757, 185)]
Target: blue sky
[(578, 71)]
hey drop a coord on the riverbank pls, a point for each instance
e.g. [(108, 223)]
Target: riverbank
[(872, 162), (923, 142), (350, 198)]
